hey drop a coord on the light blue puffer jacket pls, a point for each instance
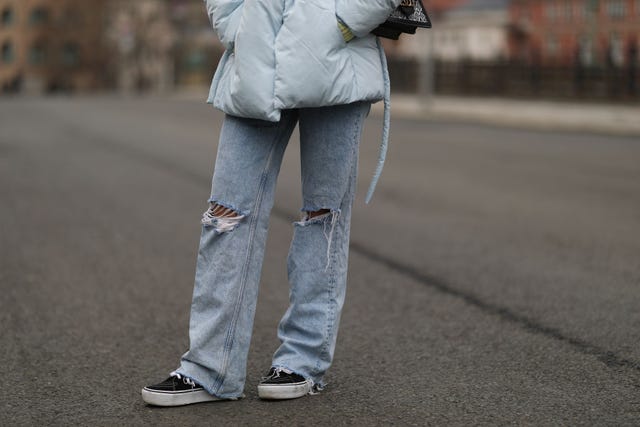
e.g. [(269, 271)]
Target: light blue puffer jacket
[(283, 54)]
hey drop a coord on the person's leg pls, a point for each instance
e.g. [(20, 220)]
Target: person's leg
[(231, 252), (318, 257)]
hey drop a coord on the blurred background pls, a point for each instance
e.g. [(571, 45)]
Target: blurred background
[(584, 49), (493, 280)]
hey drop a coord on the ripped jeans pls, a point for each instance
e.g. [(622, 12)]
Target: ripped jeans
[(232, 247)]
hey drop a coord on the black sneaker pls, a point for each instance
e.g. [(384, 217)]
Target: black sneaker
[(176, 391), (283, 384)]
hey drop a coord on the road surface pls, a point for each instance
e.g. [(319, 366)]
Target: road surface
[(494, 279)]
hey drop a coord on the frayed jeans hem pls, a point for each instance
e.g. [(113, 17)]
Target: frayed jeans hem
[(209, 388)]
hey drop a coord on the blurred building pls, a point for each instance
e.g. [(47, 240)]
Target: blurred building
[(76, 45), (143, 37), (463, 31), (197, 49), (420, 45), (575, 32), (476, 30), (48, 46)]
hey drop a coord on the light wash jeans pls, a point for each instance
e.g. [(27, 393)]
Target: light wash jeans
[(232, 249)]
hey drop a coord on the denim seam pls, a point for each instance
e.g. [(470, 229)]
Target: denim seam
[(330, 310), (331, 306), (229, 339), (356, 147)]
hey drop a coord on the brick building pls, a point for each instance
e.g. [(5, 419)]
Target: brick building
[(419, 44), (143, 38), (476, 30), (197, 47), (48, 46), (570, 32)]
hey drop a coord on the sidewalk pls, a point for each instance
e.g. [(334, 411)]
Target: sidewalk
[(548, 115), (536, 114)]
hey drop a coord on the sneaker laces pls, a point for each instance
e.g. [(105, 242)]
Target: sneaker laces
[(187, 381), (275, 373)]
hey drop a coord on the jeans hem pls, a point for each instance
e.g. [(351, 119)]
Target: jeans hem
[(316, 385), (195, 372)]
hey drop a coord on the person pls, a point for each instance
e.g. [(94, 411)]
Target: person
[(313, 63)]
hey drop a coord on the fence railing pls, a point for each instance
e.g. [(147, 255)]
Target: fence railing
[(520, 80)]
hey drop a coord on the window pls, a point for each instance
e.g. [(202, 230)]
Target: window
[(591, 7), (615, 50), (70, 54), (556, 10), (552, 11), (71, 16), (616, 8), (552, 46), (37, 54), (7, 17), (39, 16), (568, 10), (7, 52), (196, 60), (585, 50), (582, 9)]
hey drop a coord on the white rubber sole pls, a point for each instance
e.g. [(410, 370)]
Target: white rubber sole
[(187, 397), (280, 392)]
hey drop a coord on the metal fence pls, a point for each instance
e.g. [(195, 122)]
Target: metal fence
[(520, 80)]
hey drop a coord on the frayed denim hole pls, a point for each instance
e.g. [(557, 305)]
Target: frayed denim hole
[(223, 218), (330, 218), (216, 201), (305, 220), (315, 220)]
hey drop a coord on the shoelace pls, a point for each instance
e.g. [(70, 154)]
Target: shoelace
[(187, 381), (276, 373), (315, 388)]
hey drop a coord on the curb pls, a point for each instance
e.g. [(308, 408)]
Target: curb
[(540, 115)]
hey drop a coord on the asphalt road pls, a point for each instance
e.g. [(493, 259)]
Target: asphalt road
[(494, 279)]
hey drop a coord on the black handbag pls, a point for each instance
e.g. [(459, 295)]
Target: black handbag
[(407, 17)]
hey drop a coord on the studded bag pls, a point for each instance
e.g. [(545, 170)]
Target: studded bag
[(406, 18)]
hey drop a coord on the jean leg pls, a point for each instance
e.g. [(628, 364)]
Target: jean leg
[(318, 256), (230, 258)]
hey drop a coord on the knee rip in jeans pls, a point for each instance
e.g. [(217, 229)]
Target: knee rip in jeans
[(223, 218), (328, 218), (314, 214)]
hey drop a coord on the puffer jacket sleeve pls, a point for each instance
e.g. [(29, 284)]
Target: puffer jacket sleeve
[(362, 16), (225, 17)]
